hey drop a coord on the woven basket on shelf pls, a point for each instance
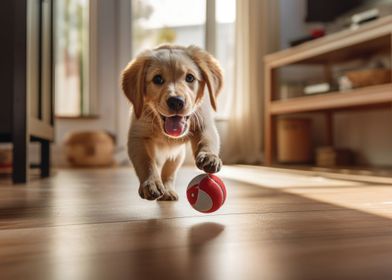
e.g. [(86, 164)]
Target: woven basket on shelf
[(369, 77)]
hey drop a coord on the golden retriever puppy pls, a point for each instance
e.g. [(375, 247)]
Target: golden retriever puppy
[(166, 87)]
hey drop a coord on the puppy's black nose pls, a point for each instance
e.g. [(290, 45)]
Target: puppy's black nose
[(175, 103)]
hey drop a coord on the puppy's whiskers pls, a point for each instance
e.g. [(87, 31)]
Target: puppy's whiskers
[(197, 120), (152, 123), (148, 113)]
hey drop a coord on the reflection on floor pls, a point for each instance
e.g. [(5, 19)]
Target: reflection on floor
[(91, 224)]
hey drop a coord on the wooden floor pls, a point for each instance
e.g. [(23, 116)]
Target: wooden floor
[(91, 224)]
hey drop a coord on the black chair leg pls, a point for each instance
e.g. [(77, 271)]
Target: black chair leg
[(45, 158)]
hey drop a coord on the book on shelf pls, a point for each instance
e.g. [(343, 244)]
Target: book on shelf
[(317, 88)]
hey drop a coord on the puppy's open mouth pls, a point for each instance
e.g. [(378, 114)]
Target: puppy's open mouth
[(175, 126)]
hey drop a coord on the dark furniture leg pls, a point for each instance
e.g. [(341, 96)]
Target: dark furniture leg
[(20, 159), (20, 104), (45, 158)]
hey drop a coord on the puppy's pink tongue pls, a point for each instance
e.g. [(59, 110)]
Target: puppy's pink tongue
[(175, 126)]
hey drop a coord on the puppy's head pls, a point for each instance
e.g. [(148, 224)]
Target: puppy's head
[(170, 81)]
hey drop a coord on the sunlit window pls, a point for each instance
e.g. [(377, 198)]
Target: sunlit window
[(183, 22), (225, 47), (168, 21), (72, 59)]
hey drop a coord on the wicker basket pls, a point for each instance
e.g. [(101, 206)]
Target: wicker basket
[(294, 140), (370, 77), (89, 149)]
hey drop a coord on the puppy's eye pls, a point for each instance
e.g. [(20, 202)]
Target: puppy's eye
[(158, 80), (189, 78)]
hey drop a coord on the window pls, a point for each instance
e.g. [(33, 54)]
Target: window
[(72, 62), (225, 47), (184, 22), (167, 21)]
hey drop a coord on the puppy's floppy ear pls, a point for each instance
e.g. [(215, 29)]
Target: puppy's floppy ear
[(210, 70), (133, 81)]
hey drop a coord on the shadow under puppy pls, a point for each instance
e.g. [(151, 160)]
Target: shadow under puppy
[(166, 87)]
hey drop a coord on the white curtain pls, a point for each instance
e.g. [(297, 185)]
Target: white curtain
[(256, 35)]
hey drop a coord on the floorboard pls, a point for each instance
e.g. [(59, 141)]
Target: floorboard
[(91, 224)]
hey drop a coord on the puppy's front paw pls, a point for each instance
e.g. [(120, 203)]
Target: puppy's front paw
[(151, 189), (169, 195), (208, 162)]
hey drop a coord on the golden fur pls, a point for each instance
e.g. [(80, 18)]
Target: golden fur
[(156, 156)]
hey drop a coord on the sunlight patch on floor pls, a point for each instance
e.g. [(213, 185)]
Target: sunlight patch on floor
[(271, 179), (362, 196)]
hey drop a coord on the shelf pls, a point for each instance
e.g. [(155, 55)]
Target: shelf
[(368, 38), (78, 118), (373, 39), (380, 94)]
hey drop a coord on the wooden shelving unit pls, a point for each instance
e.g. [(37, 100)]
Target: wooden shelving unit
[(367, 40)]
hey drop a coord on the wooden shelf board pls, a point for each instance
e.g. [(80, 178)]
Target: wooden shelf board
[(85, 117), (374, 34), (335, 100), (364, 49)]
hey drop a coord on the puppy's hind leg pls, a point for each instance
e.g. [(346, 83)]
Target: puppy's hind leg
[(168, 175)]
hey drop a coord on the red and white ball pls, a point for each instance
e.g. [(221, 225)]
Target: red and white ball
[(206, 193)]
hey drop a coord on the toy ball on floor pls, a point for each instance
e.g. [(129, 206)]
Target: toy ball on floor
[(206, 193)]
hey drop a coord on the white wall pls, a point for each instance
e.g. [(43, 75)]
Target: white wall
[(292, 15), (368, 133)]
